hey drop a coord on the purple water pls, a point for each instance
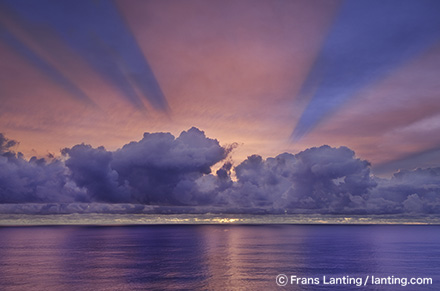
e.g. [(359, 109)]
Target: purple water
[(215, 257)]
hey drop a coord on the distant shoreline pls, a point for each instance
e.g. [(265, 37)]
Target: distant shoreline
[(108, 219)]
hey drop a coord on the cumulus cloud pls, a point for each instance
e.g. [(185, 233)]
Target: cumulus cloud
[(163, 169), (33, 180), (320, 179), (416, 191), (90, 170), (163, 173)]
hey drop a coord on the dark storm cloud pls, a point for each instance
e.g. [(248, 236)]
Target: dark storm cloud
[(165, 172), (368, 40)]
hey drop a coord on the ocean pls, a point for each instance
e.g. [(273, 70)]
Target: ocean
[(220, 257)]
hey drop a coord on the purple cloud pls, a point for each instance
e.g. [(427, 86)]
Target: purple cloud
[(165, 172)]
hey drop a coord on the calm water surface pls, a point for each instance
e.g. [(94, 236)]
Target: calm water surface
[(214, 257)]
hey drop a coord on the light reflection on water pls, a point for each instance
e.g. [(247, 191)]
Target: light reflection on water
[(212, 257)]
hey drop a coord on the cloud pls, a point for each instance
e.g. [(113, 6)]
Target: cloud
[(409, 191), (162, 173), (90, 169), (6, 144), (320, 179), (159, 169), (23, 181), (163, 169)]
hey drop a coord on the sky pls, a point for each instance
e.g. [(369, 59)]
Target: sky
[(353, 79)]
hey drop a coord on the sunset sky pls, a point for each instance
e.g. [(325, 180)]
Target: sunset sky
[(270, 76)]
